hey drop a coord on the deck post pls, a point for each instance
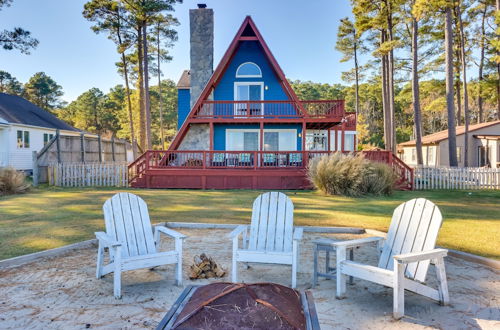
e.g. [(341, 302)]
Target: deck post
[(329, 140), (261, 142), (342, 146), (211, 136), (303, 136), (336, 131)]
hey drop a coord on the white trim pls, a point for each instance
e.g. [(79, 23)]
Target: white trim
[(248, 76), (248, 83)]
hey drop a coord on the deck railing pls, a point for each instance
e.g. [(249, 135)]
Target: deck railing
[(179, 159), (271, 109)]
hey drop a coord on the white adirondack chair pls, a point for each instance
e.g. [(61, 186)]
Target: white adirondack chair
[(273, 238), (405, 257), (132, 242)]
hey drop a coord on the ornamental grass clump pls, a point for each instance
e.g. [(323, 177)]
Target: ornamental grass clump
[(12, 181), (380, 179), (350, 175)]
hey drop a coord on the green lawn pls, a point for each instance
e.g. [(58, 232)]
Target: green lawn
[(49, 217)]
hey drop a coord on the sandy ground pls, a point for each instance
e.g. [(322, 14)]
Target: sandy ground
[(63, 293)]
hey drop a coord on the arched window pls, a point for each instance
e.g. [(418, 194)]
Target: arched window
[(248, 70)]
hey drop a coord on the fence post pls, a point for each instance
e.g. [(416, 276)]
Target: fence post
[(113, 148), (99, 146), (82, 146), (35, 169), (58, 146)]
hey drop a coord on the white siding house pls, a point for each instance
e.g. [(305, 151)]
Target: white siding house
[(484, 147), (25, 128)]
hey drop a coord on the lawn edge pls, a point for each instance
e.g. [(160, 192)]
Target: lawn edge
[(28, 258)]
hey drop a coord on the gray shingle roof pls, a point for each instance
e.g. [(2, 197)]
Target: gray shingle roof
[(17, 110)]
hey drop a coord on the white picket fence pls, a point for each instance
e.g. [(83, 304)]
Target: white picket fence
[(466, 178), (88, 174)]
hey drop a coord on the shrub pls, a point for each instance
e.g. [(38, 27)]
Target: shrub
[(350, 175), (380, 179), (12, 181)]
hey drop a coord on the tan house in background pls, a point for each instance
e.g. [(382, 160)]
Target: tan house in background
[(484, 147)]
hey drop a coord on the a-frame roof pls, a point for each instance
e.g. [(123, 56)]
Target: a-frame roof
[(247, 32)]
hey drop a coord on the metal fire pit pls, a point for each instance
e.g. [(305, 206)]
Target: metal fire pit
[(242, 306)]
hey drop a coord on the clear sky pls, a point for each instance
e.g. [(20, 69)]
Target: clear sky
[(301, 36)]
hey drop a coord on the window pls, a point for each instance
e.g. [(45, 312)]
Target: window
[(249, 140), (271, 141), (316, 140), (47, 137), (413, 154), (430, 155), (23, 139), (483, 155), (248, 70), (349, 142)]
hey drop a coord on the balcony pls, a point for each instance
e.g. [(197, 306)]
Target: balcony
[(317, 114)]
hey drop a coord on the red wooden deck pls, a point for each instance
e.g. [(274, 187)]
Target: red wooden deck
[(239, 169)]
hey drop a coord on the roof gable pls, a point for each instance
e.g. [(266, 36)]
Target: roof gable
[(17, 110), (247, 32)]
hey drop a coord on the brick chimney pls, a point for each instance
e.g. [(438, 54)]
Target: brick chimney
[(202, 49)]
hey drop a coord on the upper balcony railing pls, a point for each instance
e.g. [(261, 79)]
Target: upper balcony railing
[(327, 109)]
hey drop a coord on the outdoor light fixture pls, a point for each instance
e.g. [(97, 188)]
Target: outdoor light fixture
[(266, 88)]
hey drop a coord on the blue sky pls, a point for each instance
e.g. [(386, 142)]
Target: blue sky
[(301, 36)]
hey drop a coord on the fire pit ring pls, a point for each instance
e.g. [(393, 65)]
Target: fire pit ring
[(239, 306)]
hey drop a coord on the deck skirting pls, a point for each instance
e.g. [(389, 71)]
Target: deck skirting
[(224, 179)]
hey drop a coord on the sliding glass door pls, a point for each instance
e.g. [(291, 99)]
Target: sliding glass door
[(249, 91)]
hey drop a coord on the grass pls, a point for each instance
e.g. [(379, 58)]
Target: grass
[(50, 217)]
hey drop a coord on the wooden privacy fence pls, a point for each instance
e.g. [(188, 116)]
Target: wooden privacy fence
[(83, 148), (88, 174), (456, 178)]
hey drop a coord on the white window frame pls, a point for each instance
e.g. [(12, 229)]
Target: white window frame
[(248, 76), (23, 140), (278, 130), (248, 83)]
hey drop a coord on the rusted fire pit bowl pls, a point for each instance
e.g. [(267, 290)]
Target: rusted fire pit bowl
[(241, 306)]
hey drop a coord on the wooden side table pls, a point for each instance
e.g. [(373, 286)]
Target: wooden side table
[(325, 244)]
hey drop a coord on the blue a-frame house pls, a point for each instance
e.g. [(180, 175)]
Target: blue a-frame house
[(243, 126)]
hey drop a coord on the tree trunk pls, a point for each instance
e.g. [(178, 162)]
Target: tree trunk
[(452, 134), (391, 83), (356, 79), (160, 98), (385, 98), (147, 100), (140, 86), (416, 92), (127, 90), (458, 93), (466, 94), (481, 66)]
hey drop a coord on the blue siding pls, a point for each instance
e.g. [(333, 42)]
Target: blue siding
[(183, 105), (251, 51), (220, 132)]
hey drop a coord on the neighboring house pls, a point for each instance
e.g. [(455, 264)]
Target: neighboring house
[(484, 147), (24, 128), (242, 125)]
